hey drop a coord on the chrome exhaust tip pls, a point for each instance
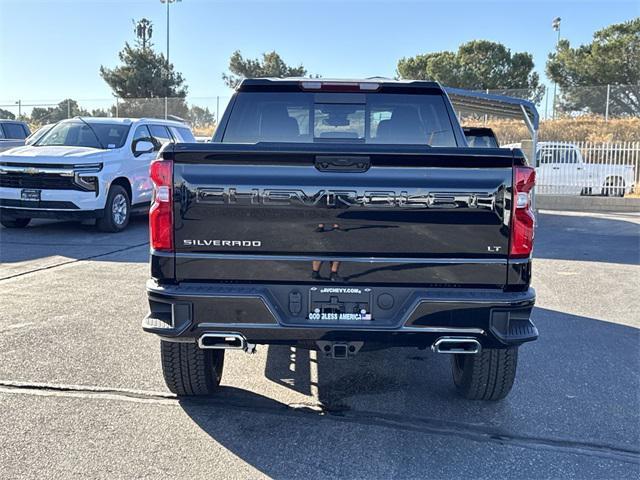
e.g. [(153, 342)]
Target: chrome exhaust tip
[(223, 341), (456, 345)]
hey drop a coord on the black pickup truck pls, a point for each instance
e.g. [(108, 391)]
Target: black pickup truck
[(341, 216)]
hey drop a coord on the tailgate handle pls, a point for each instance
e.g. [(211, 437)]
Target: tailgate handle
[(342, 163)]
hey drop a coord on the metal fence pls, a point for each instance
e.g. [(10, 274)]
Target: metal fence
[(606, 167), (587, 168), (200, 112), (609, 101)]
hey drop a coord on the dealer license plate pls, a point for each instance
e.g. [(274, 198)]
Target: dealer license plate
[(334, 304), (30, 195)]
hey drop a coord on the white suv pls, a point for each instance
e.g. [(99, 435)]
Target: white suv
[(85, 168)]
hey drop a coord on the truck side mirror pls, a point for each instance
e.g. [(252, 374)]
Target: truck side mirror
[(142, 146)]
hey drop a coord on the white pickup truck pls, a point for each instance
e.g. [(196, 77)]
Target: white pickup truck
[(85, 168), (561, 169)]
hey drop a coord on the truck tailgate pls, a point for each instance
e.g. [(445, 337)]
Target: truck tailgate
[(407, 215)]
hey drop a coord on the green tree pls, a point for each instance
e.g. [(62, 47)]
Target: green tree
[(477, 65), (67, 108), (200, 117), (143, 80), (99, 112), (271, 65), (6, 114), (613, 57)]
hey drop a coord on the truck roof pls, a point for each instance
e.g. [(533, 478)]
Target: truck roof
[(9, 120), (128, 121), (295, 81)]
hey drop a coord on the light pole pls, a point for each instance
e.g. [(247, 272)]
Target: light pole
[(168, 2), (555, 23), (166, 101)]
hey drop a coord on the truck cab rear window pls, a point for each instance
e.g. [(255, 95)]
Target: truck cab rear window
[(354, 118)]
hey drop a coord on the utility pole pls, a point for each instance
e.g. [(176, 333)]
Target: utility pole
[(19, 103), (555, 23), (546, 105)]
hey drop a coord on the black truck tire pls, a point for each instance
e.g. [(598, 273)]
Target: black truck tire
[(488, 375), (189, 370), (117, 211), (14, 222)]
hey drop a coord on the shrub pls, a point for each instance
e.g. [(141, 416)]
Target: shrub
[(589, 128)]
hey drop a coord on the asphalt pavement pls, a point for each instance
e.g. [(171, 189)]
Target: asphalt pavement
[(82, 393)]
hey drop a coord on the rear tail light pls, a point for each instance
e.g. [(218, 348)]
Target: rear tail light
[(161, 212), (522, 219)]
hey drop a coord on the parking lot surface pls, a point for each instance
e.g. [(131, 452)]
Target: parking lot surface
[(82, 393)]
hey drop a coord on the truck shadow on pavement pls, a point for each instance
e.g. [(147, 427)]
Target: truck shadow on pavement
[(587, 238), (392, 410), (560, 237), (73, 240)]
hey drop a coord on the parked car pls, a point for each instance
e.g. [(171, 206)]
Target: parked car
[(12, 133), (341, 216), (33, 138), (481, 137), (562, 170), (85, 168)]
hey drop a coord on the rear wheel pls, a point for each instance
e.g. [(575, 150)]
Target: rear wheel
[(613, 187), (14, 222), (117, 211), (487, 375), (189, 370)]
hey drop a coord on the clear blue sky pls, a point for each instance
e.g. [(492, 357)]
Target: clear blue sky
[(52, 50)]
